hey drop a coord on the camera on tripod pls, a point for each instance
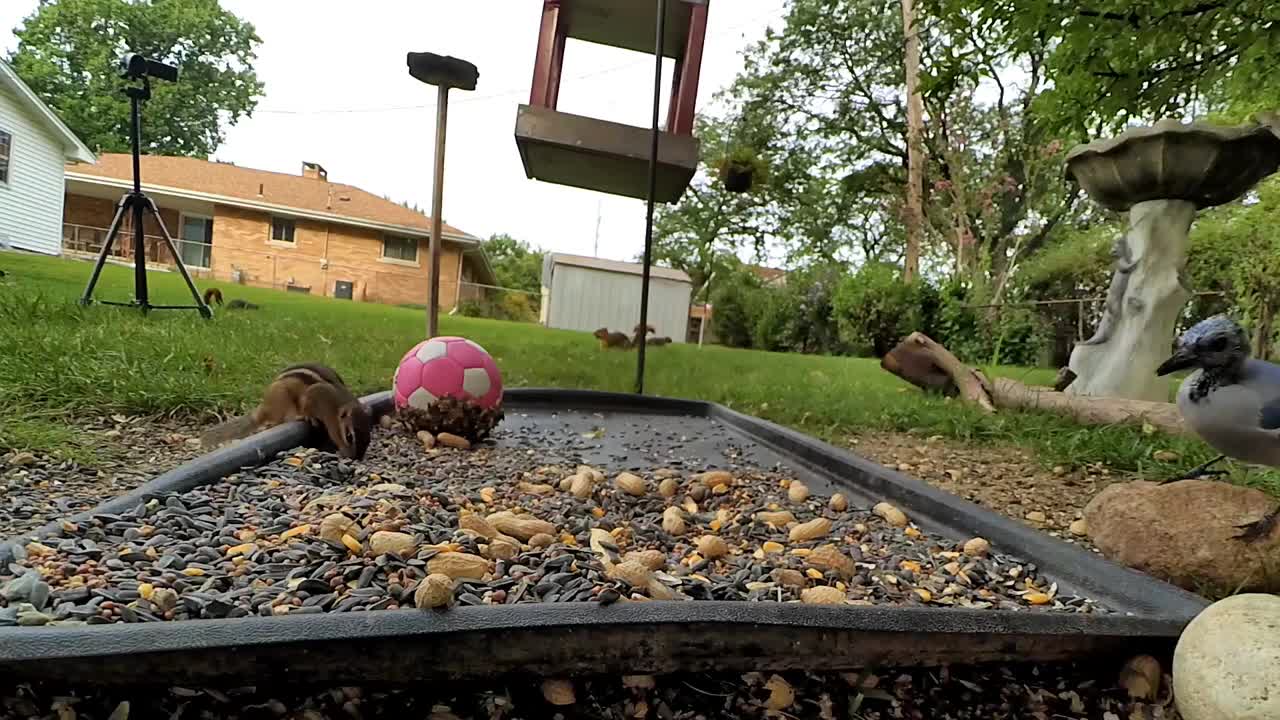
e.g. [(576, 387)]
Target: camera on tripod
[(135, 203), (137, 67)]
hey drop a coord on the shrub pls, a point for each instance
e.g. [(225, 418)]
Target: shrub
[(875, 309), (999, 336), (814, 329), (472, 308), (775, 322), (1017, 337), (516, 307), (734, 307)]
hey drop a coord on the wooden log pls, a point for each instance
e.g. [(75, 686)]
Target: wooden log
[(928, 365), (922, 362)]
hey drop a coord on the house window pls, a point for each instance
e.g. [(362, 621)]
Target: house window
[(282, 230), (400, 248), (6, 150), (196, 242)]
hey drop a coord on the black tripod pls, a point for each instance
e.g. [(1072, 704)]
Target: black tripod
[(135, 202)]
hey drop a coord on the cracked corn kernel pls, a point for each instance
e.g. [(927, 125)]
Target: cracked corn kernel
[(352, 544)]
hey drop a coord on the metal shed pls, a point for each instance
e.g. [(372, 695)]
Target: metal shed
[(586, 293)]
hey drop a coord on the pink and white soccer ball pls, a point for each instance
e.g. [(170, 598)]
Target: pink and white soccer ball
[(447, 366)]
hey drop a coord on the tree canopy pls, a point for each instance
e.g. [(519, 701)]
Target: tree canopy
[(1009, 87), (69, 53), (517, 265), (1119, 61)]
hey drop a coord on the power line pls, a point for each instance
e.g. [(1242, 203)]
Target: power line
[(513, 92)]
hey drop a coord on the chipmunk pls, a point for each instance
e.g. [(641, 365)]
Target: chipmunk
[(214, 295), (612, 339), (311, 392)]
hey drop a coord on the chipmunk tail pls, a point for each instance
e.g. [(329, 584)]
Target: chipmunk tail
[(236, 428)]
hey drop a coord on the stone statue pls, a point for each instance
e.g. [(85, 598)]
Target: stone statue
[(1161, 175)]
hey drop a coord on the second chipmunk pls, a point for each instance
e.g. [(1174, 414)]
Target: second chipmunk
[(311, 392)]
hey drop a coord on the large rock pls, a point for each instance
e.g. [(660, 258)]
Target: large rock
[(1183, 533), (1227, 664)]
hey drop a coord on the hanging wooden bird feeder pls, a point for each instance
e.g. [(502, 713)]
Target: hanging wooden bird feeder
[(595, 154)]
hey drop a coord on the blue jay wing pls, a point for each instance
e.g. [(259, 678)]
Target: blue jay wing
[(1270, 415), (1263, 379)]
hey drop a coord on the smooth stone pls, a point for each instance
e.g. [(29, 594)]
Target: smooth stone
[(1227, 662), (1184, 533), (21, 587)]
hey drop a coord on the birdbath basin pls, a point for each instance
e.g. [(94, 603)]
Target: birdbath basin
[(1161, 175)]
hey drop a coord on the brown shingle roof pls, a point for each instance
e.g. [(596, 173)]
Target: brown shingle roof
[(767, 274), (242, 183)]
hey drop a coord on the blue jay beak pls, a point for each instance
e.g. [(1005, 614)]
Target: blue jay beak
[(1180, 360)]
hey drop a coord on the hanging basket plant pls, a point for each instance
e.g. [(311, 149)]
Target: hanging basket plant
[(741, 170)]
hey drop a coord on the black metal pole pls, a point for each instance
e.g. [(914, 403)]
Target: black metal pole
[(139, 249), (643, 332)]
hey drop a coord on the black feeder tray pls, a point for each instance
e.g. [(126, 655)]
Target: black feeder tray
[(411, 645)]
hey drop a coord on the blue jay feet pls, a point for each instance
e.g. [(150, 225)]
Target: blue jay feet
[(1199, 472), (1260, 530)]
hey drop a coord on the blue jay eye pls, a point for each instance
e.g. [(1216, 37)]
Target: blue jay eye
[(1218, 345)]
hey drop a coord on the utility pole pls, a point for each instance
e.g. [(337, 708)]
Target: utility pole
[(595, 249), (915, 150)]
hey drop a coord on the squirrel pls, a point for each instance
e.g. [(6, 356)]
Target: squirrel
[(659, 341), (638, 337), (612, 339), (214, 296), (306, 391), (1124, 265)]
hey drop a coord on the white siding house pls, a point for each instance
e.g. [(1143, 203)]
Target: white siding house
[(583, 293), (35, 147)]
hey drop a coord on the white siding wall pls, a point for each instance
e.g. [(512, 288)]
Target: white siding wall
[(586, 299), (31, 203)]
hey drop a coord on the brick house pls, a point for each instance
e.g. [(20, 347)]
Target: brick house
[(300, 233)]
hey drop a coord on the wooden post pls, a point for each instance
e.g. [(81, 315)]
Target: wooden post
[(437, 202), (915, 151), (684, 85), (550, 57)]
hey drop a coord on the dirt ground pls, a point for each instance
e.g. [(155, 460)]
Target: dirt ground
[(1006, 480)]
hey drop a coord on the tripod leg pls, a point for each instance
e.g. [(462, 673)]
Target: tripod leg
[(140, 294), (106, 250), (205, 312)]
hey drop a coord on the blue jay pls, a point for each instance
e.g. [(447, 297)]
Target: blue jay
[(1231, 401)]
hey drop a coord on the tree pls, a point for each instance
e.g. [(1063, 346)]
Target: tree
[(1118, 61), (703, 233), (830, 86), (516, 265), (69, 53)]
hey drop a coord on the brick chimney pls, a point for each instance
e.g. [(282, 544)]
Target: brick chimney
[(315, 171)]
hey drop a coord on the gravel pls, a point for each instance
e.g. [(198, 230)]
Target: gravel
[(37, 488), (312, 533), (1057, 692)]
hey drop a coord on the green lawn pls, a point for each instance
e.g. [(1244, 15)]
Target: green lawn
[(58, 359)]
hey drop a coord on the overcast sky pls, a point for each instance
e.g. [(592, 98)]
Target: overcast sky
[(323, 60)]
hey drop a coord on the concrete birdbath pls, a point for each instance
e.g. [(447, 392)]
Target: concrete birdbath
[(1162, 175)]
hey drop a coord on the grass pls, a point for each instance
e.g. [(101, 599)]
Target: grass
[(58, 360)]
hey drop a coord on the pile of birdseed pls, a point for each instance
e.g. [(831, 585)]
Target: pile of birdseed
[(1049, 692), (313, 533)]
